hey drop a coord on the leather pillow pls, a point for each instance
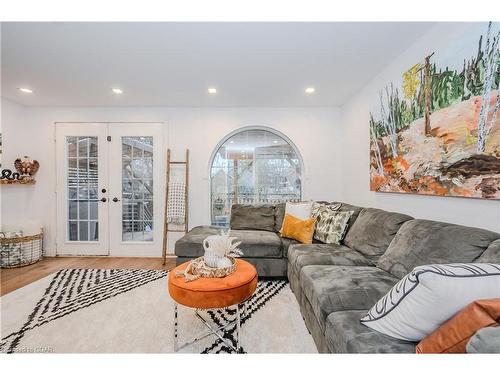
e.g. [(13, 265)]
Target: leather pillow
[(452, 336), (296, 229)]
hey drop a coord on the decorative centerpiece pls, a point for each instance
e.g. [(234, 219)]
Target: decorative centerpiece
[(218, 260), (218, 248)]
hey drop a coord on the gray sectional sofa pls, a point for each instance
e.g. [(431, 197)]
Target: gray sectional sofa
[(335, 285)]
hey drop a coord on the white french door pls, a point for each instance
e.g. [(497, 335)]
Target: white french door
[(109, 188)]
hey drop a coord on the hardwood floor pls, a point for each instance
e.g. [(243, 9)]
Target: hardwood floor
[(15, 278)]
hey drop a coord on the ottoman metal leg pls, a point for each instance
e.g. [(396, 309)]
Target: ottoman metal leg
[(238, 326), (176, 345), (212, 331)]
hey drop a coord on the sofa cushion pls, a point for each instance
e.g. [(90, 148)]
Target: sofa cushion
[(373, 231), (338, 288), (259, 244), (254, 243), (279, 216), (420, 242), (253, 217), (286, 243), (323, 254), (345, 334), (491, 254)]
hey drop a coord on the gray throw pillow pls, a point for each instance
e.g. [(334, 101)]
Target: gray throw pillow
[(279, 216), (491, 254), (373, 231), (486, 340), (256, 217)]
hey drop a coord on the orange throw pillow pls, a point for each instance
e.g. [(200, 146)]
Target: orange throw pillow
[(300, 230), (452, 336)]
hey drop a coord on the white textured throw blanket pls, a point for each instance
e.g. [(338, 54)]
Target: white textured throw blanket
[(176, 203)]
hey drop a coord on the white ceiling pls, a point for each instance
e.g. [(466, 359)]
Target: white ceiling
[(173, 64)]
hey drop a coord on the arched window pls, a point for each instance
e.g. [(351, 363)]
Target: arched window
[(252, 166)]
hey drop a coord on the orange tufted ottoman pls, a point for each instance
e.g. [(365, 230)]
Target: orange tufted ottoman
[(213, 293)]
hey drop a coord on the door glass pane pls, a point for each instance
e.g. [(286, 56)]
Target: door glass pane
[(81, 154), (137, 188)]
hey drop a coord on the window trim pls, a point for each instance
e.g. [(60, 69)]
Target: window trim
[(240, 130)]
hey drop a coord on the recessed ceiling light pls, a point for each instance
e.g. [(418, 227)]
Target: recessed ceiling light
[(25, 90), (310, 90), (117, 91), (231, 142), (275, 142), (212, 90)]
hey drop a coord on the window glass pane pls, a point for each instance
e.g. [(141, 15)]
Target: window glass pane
[(72, 146), (73, 210), (137, 188), (93, 230), (84, 230), (82, 178), (73, 230), (253, 167)]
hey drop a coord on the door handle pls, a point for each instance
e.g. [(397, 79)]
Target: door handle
[(115, 199), (103, 199)]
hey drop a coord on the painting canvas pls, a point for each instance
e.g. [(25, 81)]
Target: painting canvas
[(436, 129)]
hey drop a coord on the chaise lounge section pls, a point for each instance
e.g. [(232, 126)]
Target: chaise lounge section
[(257, 227)]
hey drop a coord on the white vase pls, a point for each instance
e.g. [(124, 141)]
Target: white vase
[(211, 244), (223, 262), (216, 248), (211, 259)]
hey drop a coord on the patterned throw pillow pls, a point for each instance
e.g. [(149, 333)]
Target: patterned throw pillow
[(318, 207), (331, 225), (430, 295)]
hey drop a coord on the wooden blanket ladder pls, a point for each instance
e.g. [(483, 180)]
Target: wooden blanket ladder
[(166, 229)]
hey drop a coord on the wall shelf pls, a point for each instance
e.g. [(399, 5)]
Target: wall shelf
[(16, 182)]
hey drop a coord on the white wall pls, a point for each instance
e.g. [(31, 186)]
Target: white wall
[(355, 181), (30, 131), (11, 114)]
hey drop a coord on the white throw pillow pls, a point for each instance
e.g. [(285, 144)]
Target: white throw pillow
[(430, 295), (300, 210)]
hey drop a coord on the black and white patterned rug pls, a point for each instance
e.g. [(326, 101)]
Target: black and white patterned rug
[(130, 311)]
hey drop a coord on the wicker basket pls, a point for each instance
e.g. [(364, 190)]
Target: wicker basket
[(20, 251)]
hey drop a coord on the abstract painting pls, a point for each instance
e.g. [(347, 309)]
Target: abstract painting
[(436, 129)]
